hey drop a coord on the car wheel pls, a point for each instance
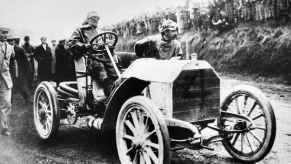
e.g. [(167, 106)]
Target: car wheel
[(141, 133)]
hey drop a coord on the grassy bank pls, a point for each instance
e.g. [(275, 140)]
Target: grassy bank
[(254, 49)]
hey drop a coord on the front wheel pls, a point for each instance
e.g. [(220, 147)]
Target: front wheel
[(256, 137), (141, 133), (45, 112)]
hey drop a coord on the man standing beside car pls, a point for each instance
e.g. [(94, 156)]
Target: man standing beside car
[(6, 52)]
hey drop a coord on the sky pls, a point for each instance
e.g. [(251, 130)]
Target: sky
[(56, 19)]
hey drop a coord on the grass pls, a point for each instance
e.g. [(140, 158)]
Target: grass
[(259, 50)]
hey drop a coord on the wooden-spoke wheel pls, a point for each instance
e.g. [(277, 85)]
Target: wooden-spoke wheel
[(46, 120), (141, 134), (256, 136)]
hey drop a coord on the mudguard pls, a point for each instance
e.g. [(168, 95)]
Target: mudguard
[(127, 88)]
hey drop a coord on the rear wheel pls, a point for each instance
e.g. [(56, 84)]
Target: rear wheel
[(257, 136), (141, 133), (46, 117)]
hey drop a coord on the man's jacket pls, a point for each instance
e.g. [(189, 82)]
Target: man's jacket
[(22, 62), (44, 59), (79, 38), (6, 53)]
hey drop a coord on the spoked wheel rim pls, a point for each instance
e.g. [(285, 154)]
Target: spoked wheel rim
[(43, 114), (253, 138), (139, 138)]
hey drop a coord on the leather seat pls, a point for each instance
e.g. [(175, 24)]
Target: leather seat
[(68, 88), (125, 58)]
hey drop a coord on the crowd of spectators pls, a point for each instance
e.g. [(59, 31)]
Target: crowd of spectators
[(218, 13), (39, 63)]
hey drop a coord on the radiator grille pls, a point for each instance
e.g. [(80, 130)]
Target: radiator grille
[(196, 95)]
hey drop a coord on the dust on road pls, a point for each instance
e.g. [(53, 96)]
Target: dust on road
[(75, 145)]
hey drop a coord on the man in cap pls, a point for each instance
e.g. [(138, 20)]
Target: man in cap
[(164, 46), (102, 71), (6, 52)]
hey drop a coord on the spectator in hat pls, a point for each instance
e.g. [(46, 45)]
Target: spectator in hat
[(43, 56), (28, 48)]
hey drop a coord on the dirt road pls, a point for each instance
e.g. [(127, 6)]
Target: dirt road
[(75, 145)]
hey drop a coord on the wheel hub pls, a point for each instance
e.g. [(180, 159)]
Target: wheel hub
[(138, 143), (240, 125), (43, 116)]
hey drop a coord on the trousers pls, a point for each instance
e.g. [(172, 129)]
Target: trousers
[(104, 73), (5, 104)]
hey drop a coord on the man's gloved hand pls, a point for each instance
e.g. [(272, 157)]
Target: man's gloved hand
[(80, 49), (83, 46)]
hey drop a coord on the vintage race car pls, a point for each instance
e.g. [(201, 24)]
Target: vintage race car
[(159, 106)]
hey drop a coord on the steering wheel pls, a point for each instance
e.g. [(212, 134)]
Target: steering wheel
[(103, 39)]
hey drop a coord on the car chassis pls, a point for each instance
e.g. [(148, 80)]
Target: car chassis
[(160, 106)]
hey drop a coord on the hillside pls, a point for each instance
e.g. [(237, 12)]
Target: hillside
[(256, 49)]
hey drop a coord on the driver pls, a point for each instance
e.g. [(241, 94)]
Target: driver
[(165, 46), (102, 71)]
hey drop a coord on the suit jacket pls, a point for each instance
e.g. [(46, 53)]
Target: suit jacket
[(22, 62), (5, 63), (44, 59), (65, 68)]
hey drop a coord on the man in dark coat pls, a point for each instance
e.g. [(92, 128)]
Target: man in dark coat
[(43, 56), (20, 77), (64, 63), (29, 55)]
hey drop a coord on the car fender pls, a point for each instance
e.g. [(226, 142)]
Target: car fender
[(126, 89)]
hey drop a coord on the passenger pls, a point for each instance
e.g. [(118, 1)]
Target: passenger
[(165, 46)]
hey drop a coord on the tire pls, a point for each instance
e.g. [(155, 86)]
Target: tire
[(45, 112), (253, 100), (141, 133)]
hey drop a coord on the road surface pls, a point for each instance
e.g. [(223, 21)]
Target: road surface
[(79, 145)]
